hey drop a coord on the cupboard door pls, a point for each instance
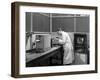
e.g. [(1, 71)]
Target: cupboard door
[(28, 22), (83, 58), (80, 58), (82, 24), (41, 23), (66, 23), (77, 60)]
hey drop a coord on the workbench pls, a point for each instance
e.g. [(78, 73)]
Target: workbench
[(46, 58)]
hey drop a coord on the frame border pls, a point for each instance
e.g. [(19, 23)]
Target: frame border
[(15, 38)]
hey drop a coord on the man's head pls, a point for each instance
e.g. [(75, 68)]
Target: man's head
[(59, 31)]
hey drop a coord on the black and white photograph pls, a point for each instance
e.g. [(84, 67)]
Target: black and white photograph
[(54, 39)]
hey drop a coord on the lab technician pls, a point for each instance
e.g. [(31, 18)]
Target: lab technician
[(65, 40)]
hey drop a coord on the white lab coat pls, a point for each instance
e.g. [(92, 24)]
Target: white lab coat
[(65, 40)]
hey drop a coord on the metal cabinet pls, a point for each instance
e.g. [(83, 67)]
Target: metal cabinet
[(81, 49)]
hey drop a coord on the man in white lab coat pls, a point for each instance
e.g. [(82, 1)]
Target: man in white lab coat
[(65, 40)]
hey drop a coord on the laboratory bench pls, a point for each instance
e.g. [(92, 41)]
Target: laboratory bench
[(52, 57)]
